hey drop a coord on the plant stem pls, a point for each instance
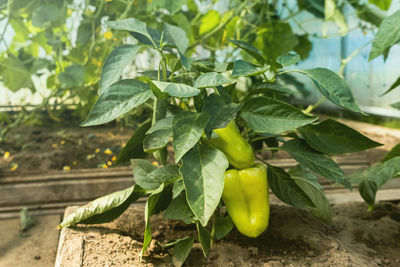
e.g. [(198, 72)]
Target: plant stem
[(220, 26), (127, 9), (312, 107), (262, 160), (346, 60)]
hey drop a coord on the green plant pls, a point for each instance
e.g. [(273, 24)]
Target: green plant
[(189, 97), (183, 109)]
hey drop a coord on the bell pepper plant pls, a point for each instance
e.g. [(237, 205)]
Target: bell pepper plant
[(204, 114)]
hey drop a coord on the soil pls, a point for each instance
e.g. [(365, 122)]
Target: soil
[(35, 247), (37, 149), (356, 237), (294, 238), (40, 149)]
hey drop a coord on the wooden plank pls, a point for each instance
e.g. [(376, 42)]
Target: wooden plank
[(51, 192), (60, 190), (77, 186), (69, 253), (336, 194)]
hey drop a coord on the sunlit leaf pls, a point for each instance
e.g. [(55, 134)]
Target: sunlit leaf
[(115, 63), (117, 100), (187, 129), (333, 137), (315, 161), (267, 115), (209, 21), (104, 209), (134, 148), (333, 87), (203, 171), (176, 89), (388, 34)]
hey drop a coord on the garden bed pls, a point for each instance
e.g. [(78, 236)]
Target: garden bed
[(356, 237), (40, 149)]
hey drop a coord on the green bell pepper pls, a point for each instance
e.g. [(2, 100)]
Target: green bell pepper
[(246, 198), (237, 150)]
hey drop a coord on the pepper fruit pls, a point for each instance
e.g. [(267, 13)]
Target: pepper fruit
[(246, 197), (237, 150)]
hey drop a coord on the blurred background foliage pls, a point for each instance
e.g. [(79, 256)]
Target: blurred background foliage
[(56, 48)]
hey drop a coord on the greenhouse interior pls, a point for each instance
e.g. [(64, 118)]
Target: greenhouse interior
[(199, 133)]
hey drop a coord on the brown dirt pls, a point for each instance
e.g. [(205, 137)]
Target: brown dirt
[(40, 149), (356, 237), (43, 149), (34, 248)]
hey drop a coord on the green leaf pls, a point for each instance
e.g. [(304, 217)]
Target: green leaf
[(396, 105), (149, 177), (204, 238), (163, 124), (267, 115), (222, 226), (250, 49), (315, 161), (286, 189), (203, 171), (148, 211), (209, 21), (187, 129), (246, 69), (177, 188), (26, 220), (394, 152), (134, 148), (14, 74), (39, 64), (141, 168), (394, 85), (220, 112), (104, 209), (181, 251), (333, 87), (371, 14), (332, 12), (373, 178), (379, 173), (210, 79), (368, 191), (176, 89), (165, 197), (304, 47), (84, 33), (21, 31), (275, 38), (117, 100), (132, 25), (382, 4), (268, 88), (388, 34), (288, 59), (44, 15), (115, 63), (73, 76), (179, 209), (307, 181), (156, 140), (333, 137), (177, 36)]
